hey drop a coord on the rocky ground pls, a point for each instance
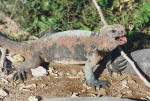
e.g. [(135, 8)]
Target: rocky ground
[(66, 81)]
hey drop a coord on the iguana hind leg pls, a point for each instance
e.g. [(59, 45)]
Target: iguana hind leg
[(93, 59), (33, 62)]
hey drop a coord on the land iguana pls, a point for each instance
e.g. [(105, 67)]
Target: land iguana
[(70, 47), (140, 57)]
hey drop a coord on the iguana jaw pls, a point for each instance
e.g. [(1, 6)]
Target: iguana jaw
[(121, 39)]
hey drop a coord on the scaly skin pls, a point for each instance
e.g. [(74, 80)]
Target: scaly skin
[(73, 47)]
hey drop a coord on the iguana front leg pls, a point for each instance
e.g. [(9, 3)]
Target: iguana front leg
[(117, 65), (33, 62), (93, 59)]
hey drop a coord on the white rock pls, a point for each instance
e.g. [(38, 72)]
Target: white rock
[(15, 58), (27, 87), (74, 95), (3, 93), (39, 71), (4, 80), (33, 98), (124, 84)]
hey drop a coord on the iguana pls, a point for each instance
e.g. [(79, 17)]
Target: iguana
[(140, 57), (70, 47)]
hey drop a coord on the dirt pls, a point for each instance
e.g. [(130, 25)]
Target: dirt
[(72, 83), (69, 81)]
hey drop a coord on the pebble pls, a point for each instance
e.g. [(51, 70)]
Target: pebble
[(3, 93), (27, 87), (74, 95), (39, 71), (15, 58), (33, 98), (124, 84)]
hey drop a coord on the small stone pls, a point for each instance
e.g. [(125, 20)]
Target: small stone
[(51, 70), (4, 80), (124, 84), (75, 95), (15, 58), (43, 85), (39, 71), (80, 73), (3, 93), (68, 74), (61, 74), (148, 97), (27, 87), (133, 83), (33, 98), (129, 92), (74, 72), (33, 38)]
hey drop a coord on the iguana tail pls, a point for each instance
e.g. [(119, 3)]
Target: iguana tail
[(13, 46)]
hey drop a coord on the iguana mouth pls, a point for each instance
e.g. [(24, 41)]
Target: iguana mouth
[(121, 39)]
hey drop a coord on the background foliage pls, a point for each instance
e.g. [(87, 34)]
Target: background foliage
[(36, 16)]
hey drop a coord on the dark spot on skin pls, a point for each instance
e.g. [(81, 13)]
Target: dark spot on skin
[(79, 52), (78, 39), (48, 54), (92, 50), (63, 52), (121, 31), (93, 33), (113, 31), (55, 52)]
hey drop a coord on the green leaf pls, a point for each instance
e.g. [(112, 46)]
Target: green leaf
[(43, 18), (115, 3), (146, 18), (42, 26), (35, 22), (103, 2), (45, 5), (97, 28), (146, 7), (84, 27)]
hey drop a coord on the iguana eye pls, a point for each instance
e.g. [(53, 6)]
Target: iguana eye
[(113, 31)]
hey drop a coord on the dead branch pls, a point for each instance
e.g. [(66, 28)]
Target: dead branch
[(134, 67), (100, 12)]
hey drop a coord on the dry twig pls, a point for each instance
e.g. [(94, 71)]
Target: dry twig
[(3, 58), (134, 67)]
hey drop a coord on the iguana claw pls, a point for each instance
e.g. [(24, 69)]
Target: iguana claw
[(99, 84), (20, 74), (117, 65)]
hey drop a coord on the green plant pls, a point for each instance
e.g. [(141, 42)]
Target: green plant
[(36, 16)]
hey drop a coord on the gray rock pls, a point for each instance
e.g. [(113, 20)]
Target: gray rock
[(91, 99)]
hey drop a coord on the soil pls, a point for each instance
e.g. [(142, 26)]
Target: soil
[(68, 81)]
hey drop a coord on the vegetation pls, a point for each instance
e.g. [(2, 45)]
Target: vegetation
[(36, 16)]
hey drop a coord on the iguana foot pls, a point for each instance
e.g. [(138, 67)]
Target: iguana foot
[(118, 65), (21, 74), (99, 84)]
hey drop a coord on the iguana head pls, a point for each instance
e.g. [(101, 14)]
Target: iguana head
[(113, 36)]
